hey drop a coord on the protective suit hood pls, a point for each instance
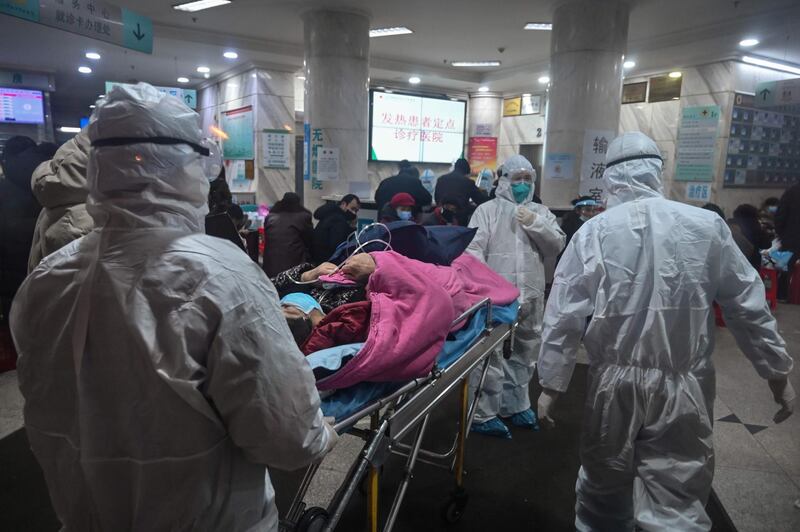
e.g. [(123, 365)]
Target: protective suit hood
[(512, 165), (167, 185), (633, 169)]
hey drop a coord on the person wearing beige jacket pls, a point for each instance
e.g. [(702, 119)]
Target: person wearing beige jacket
[(60, 186)]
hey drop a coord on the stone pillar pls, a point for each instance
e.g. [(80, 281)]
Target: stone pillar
[(485, 114), (336, 98), (587, 48)]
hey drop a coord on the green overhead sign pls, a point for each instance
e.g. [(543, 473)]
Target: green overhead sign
[(90, 18)]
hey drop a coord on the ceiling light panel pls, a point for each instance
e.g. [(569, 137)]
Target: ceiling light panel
[(200, 5), (748, 42), (386, 32), (541, 26), (783, 67), (475, 63)]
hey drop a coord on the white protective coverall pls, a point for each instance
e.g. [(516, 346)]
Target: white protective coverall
[(516, 252), (159, 375), (647, 272)]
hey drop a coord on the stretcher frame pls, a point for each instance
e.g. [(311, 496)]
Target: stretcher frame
[(394, 417)]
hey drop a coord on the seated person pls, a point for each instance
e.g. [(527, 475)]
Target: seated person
[(401, 207), (451, 212)]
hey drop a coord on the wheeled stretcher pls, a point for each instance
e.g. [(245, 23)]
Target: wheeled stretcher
[(404, 410)]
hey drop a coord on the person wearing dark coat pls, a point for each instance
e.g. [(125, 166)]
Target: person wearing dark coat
[(459, 186), (18, 213), (336, 222), (288, 233), (745, 219), (406, 180), (787, 219)]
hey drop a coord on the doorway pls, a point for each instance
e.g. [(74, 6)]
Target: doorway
[(533, 152)]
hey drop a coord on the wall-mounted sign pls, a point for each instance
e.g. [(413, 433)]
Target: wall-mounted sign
[(328, 164), (187, 96), (275, 144), (634, 92), (238, 125), (90, 18), (697, 137), (531, 104), (482, 153), (483, 130), (512, 106), (559, 166), (593, 162), (664, 88), (698, 192)]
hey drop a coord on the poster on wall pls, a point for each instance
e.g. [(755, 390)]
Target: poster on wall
[(634, 92), (593, 162), (698, 192), (237, 177), (482, 153), (238, 126), (531, 104), (764, 144), (512, 106), (275, 145), (328, 164), (559, 166), (697, 138)]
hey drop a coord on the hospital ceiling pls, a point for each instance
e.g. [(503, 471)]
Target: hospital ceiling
[(663, 35)]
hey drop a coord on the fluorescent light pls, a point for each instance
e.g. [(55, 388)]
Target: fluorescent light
[(203, 69), (544, 26), (389, 91), (483, 88), (68, 129), (302, 78), (526, 95), (94, 56), (783, 67), (199, 5), (475, 63), (92, 106), (84, 70), (675, 74), (386, 32), (183, 79), (454, 99), (544, 79), (101, 96), (414, 80), (230, 54), (748, 42), (380, 88), (628, 64)]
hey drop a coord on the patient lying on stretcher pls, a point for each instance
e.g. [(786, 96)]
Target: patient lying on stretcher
[(404, 318)]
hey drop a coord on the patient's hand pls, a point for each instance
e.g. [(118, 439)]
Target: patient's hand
[(326, 268), (359, 267)]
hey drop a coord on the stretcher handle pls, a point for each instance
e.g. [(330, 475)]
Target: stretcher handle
[(485, 302)]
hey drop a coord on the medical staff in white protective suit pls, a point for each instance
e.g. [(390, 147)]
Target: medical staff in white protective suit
[(647, 271), (514, 236), (159, 376)]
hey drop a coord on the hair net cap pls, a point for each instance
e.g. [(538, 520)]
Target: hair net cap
[(141, 111)]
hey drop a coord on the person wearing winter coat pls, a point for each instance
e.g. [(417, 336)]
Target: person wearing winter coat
[(288, 233), (407, 180), (60, 187), (458, 185), (336, 222), (18, 212)]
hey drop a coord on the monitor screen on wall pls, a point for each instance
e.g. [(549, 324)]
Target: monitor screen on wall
[(417, 128), (20, 106)]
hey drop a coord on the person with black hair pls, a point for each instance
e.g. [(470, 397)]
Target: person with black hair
[(745, 218), (336, 222), (288, 233), (219, 195), (713, 207), (18, 213), (407, 180), (458, 185)]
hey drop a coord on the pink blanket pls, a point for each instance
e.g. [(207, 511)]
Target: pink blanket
[(413, 307)]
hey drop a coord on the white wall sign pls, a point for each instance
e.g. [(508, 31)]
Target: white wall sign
[(275, 145), (698, 192), (483, 130), (559, 166), (593, 162), (328, 164), (531, 105)]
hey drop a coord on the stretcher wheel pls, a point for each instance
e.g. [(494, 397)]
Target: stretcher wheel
[(313, 520), (453, 508)]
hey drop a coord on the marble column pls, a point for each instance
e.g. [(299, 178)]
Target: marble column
[(336, 98), (587, 48), (485, 114)]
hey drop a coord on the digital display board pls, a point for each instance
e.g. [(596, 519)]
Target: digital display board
[(20, 106)]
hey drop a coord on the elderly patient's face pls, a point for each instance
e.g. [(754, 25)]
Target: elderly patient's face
[(292, 312)]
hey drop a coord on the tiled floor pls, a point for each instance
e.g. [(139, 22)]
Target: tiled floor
[(757, 475), (757, 462)]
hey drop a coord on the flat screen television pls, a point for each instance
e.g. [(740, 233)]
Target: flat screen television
[(21, 106), (420, 129)]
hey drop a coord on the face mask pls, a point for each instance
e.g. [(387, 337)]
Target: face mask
[(772, 209), (520, 191), (304, 302), (585, 218), (350, 215), (448, 216), (404, 215)]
